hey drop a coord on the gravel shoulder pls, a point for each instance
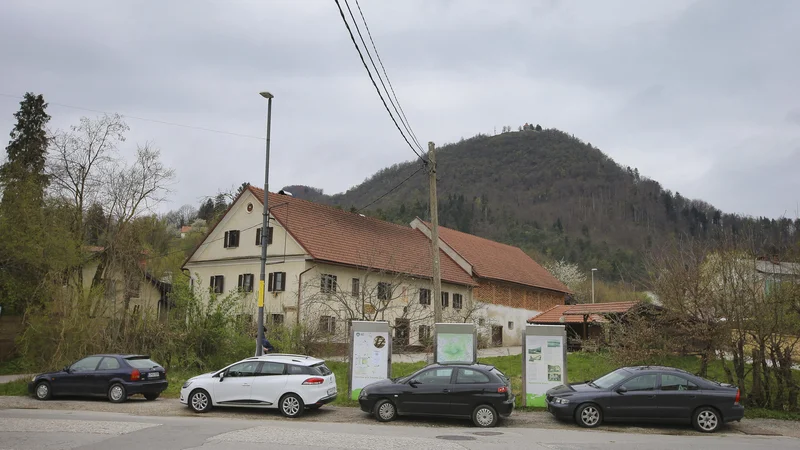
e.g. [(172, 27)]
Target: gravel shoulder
[(337, 414)]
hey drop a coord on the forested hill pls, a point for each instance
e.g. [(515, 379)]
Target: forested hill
[(550, 192)]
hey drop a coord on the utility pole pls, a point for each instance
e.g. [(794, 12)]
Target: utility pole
[(434, 202), (593, 271), (264, 235)]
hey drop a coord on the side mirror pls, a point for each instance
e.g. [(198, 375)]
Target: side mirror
[(622, 390), (65, 369), (221, 376), (413, 383)]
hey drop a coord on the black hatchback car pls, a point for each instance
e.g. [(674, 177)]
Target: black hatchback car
[(647, 394), (476, 391), (114, 376)]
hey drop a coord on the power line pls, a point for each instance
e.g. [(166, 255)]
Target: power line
[(402, 113), (364, 62), (162, 122)]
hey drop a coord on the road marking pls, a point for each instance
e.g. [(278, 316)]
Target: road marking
[(295, 437), (71, 426)]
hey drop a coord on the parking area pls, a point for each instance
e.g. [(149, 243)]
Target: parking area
[(331, 414)]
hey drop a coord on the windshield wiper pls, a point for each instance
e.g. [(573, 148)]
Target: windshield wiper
[(591, 383)]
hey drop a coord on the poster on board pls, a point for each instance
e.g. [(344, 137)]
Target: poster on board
[(455, 343), (371, 350), (545, 365)]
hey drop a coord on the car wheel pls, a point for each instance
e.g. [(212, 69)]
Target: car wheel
[(151, 397), (117, 394), (706, 419), (199, 401), (43, 391), (589, 415), (385, 411), (484, 416), (291, 405)]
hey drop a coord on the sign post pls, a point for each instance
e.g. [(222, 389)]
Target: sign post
[(455, 343), (370, 355), (544, 362)]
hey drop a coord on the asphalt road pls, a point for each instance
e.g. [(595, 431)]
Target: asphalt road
[(66, 430)]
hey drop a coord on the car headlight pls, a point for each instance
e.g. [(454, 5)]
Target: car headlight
[(187, 384), (363, 394), (33, 379), (560, 401)]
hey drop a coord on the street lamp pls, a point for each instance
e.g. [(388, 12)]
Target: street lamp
[(593, 271), (264, 230)]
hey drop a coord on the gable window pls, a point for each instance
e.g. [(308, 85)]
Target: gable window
[(231, 239), (384, 291), (217, 284), (246, 282), (445, 299), (458, 301), (327, 283), (276, 282), (510, 325), (355, 290), (269, 236), (424, 296), (327, 324)]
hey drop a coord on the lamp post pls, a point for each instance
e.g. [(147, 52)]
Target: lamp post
[(593, 271), (264, 230)]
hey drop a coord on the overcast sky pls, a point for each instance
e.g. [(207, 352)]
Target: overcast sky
[(700, 95)]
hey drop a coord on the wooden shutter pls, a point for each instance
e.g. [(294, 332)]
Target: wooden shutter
[(258, 236), (269, 235), (271, 282), (225, 241), (241, 282)]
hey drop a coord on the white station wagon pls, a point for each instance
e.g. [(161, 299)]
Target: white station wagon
[(290, 383)]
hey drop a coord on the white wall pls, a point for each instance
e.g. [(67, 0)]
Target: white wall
[(502, 315)]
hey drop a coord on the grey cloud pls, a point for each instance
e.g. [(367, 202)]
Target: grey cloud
[(669, 86)]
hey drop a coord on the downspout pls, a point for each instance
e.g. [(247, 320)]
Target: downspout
[(300, 291)]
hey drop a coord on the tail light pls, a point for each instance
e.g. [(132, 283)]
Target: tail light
[(502, 390), (136, 375), (315, 380), (738, 397)]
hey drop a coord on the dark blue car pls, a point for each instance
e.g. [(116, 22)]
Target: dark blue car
[(113, 376)]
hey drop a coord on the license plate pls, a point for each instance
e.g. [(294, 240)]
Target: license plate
[(153, 375), (331, 391)]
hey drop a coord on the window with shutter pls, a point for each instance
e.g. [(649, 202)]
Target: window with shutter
[(356, 288), (458, 301), (424, 296), (384, 291), (269, 236), (231, 239), (217, 284), (327, 284), (246, 282), (445, 299)]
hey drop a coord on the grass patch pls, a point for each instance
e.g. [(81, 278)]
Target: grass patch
[(18, 387), (761, 413), (12, 367)]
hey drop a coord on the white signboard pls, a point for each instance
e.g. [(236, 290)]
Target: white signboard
[(545, 366), (370, 359)]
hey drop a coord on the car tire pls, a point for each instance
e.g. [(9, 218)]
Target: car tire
[(484, 416), (589, 415), (199, 401), (291, 406), (43, 391), (384, 411), (117, 393), (706, 419), (151, 397)]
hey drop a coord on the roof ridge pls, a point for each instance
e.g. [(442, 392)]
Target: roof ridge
[(333, 208)]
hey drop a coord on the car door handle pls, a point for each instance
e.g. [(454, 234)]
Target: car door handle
[(651, 396), (446, 391), (245, 384)]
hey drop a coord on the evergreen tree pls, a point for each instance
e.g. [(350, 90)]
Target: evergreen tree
[(23, 233)]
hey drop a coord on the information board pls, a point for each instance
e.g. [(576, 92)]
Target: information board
[(455, 343), (370, 355), (545, 361)]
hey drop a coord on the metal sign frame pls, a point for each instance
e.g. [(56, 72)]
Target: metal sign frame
[(541, 330), (455, 328), (369, 327)]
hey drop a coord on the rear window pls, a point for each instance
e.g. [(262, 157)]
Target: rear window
[(320, 369), (501, 375), (142, 363)]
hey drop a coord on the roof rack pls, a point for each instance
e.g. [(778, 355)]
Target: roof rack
[(286, 354)]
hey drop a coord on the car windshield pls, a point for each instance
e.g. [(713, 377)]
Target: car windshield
[(142, 363), (610, 379), (320, 369)]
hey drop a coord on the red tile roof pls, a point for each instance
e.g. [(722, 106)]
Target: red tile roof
[(575, 313), (341, 237), (602, 308), (493, 260), (186, 229)]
